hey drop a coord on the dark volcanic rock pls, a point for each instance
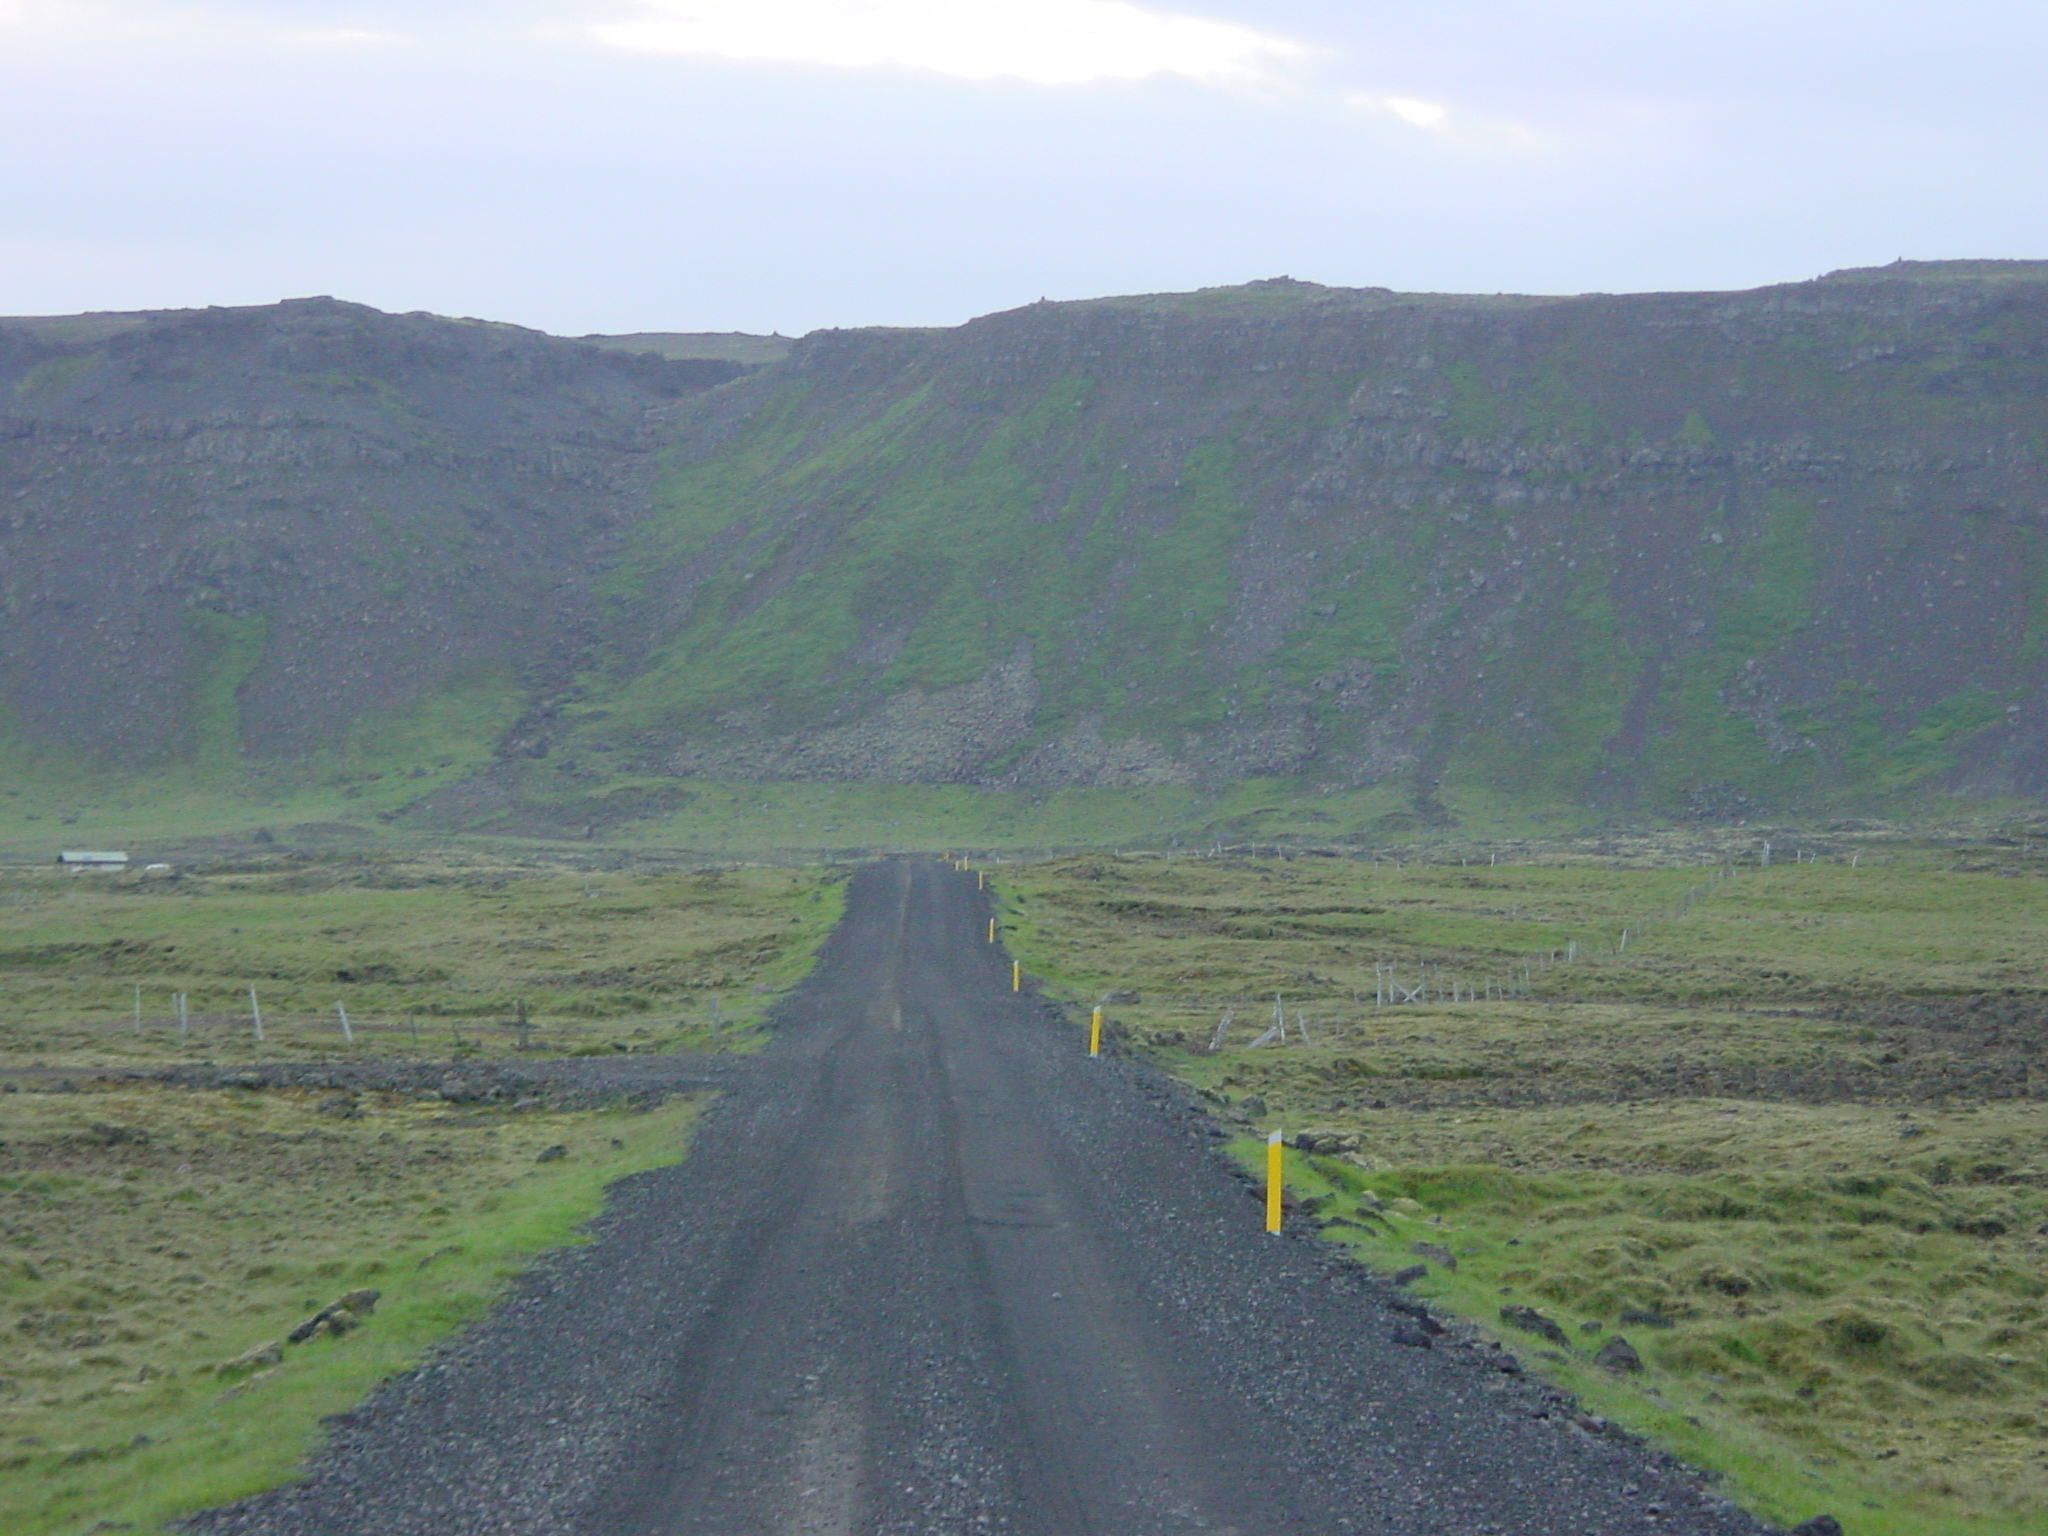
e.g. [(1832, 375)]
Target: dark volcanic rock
[(1529, 1320), (1618, 1355)]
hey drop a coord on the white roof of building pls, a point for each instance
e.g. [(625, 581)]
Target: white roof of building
[(90, 856)]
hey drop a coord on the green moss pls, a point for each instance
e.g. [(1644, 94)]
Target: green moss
[(54, 376), (229, 647), (1705, 729)]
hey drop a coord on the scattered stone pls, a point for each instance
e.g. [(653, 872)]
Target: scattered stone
[(1410, 1275), (1412, 1336), (1125, 998), (1326, 1143), (1436, 1253), (1636, 1317), (1254, 1107), (1529, 1320), (1819, 1525), (1590, 1325), (1619, 1356), (553, 1154), (341, 1106)]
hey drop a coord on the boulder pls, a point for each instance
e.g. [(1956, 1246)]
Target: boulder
[(337, 1317), (1529, 1320), (1619, 1356), (1436, 1253)]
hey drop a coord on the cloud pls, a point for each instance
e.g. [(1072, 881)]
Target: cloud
[(1047, 42), (1440, 120)]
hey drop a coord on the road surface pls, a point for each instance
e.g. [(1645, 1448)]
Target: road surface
[(929, 1269)]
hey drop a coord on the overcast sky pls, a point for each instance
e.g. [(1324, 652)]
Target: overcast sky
[(616, 165)]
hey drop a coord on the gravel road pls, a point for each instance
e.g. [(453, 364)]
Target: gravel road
[(928, 1268)]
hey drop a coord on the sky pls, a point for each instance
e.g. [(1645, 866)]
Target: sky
[(784, 165)]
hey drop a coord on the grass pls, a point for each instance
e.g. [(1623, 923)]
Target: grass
[(162, 1243), (430, 956), (1790, 1143)]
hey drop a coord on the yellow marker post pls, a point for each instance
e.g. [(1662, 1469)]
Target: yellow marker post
[(981, 879), (1095, 1034), (1016, 975), (1276, 1153), (991, 930)]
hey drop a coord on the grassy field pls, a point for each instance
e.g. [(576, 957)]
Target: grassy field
[(159, 1243), (162, 1244), (1790, 1143), (428, 956)]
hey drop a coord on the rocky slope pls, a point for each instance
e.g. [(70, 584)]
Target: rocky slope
[(247, 535), (1701, 554)]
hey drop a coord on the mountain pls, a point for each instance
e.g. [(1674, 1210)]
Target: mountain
[(236, 536), (1707, 555)]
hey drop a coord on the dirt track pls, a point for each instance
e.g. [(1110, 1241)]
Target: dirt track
[(929, 1269)]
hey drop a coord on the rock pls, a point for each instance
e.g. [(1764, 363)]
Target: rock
[(1819, 1525), (253, 1358), (342, 1106), (1324, 1142), (1636, 1317), (553, 1154), (336, 1317), (1529, 1320), (1436, 1253), (1412, 1336), (1618, 1355), (1124, 998), (1409, 1275), (1590, 1325), (1254, 1108), (1418, 1314)]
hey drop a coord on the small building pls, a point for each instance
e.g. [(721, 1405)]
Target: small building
[(86, 858)]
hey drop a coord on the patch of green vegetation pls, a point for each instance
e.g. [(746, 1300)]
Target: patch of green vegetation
[(1784, 1142), (1706, 729), (1928, 748), (2032, 552), (53, 376), (231, 646), (1555, 704), (163, 1243)]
